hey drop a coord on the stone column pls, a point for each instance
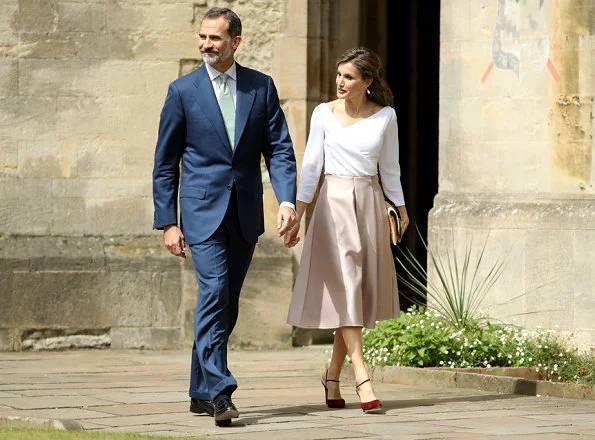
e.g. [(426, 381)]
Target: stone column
[(516, 154)]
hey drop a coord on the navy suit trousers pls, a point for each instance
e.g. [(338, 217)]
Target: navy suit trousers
[(221, 264)]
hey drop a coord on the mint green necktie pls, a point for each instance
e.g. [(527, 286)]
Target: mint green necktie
[(227, 108)]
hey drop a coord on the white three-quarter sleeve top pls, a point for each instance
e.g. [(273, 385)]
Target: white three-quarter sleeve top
[(360, 149)]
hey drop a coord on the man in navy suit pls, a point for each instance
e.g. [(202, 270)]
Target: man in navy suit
[(215, 125)]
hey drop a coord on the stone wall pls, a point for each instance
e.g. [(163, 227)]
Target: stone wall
[(517, 163), (82, 83)]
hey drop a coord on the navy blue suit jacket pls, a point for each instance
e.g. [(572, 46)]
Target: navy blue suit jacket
[(192, 133)]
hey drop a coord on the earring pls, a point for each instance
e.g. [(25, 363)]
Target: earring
[(368, 91)]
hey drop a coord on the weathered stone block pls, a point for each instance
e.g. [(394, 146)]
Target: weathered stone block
[(256, 50), (49, 77), (27, 117), (115, 115), (40, 300), (9, 158), (549, 278), (36, 16), (166, 299), (8, 15), (460, 27), (81, 17), (91, 46), (189, 297), (548, 246), (20, 214), (14, 255), (79, 77), (40, 158), (97, 188), (450, 72), (148, 18), (296, 18), (123, 78), (64, 254), (99, 157), (139, 253), (139, 153), (290, 78), (460, 131), (93, 116), (297, 119), (508, 120), (119, 216), (9, 338), (166, 47), (583, 274), (158, 75), (8, 76), (68, 217), (151, 338)]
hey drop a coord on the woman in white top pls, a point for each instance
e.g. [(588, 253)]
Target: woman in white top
[(346, 279)]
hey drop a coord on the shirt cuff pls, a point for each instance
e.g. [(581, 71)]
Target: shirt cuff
[(288, 204)]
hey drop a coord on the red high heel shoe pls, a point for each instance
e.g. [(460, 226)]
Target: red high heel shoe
[(331, 403), (371, 407)]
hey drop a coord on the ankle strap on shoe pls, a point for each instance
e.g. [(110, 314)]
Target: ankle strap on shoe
[(357, 386)]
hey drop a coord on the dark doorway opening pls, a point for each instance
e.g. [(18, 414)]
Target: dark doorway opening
[(407, 36)]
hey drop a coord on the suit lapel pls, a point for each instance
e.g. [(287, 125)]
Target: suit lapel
[(244, 100), (205, 96)]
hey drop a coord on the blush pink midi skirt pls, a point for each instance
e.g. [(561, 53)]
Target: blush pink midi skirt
[(346, 275)]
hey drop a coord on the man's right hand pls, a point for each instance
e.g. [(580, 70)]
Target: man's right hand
[(174, 241)]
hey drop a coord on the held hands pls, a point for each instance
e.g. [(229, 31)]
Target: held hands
[(174, 241), (290, 239), (286, 219)]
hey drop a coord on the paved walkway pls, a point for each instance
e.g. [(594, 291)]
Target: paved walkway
[(280, 397)]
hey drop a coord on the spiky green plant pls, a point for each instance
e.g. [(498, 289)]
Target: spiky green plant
[(459, 288)]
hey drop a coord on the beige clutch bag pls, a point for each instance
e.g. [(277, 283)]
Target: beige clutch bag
[(394, 223)]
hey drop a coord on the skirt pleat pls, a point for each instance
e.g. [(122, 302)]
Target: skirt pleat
[(346, 275)]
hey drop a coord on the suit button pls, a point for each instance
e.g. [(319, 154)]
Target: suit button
[(229, 187)]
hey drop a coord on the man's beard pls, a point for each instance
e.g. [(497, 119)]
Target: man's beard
[(215, 58)]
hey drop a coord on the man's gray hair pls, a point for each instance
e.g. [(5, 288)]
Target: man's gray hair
[(234, 23)]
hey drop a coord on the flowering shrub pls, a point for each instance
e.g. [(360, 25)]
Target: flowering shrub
[(426, 339)]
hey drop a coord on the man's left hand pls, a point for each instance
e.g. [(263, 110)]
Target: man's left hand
[(286, 219)]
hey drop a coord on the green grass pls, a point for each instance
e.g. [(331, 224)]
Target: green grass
[(53, 434)]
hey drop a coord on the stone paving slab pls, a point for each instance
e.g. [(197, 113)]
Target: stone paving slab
[(280, 397)]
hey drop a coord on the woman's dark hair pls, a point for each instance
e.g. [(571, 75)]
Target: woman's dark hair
[(368, 63), (233, 21)]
